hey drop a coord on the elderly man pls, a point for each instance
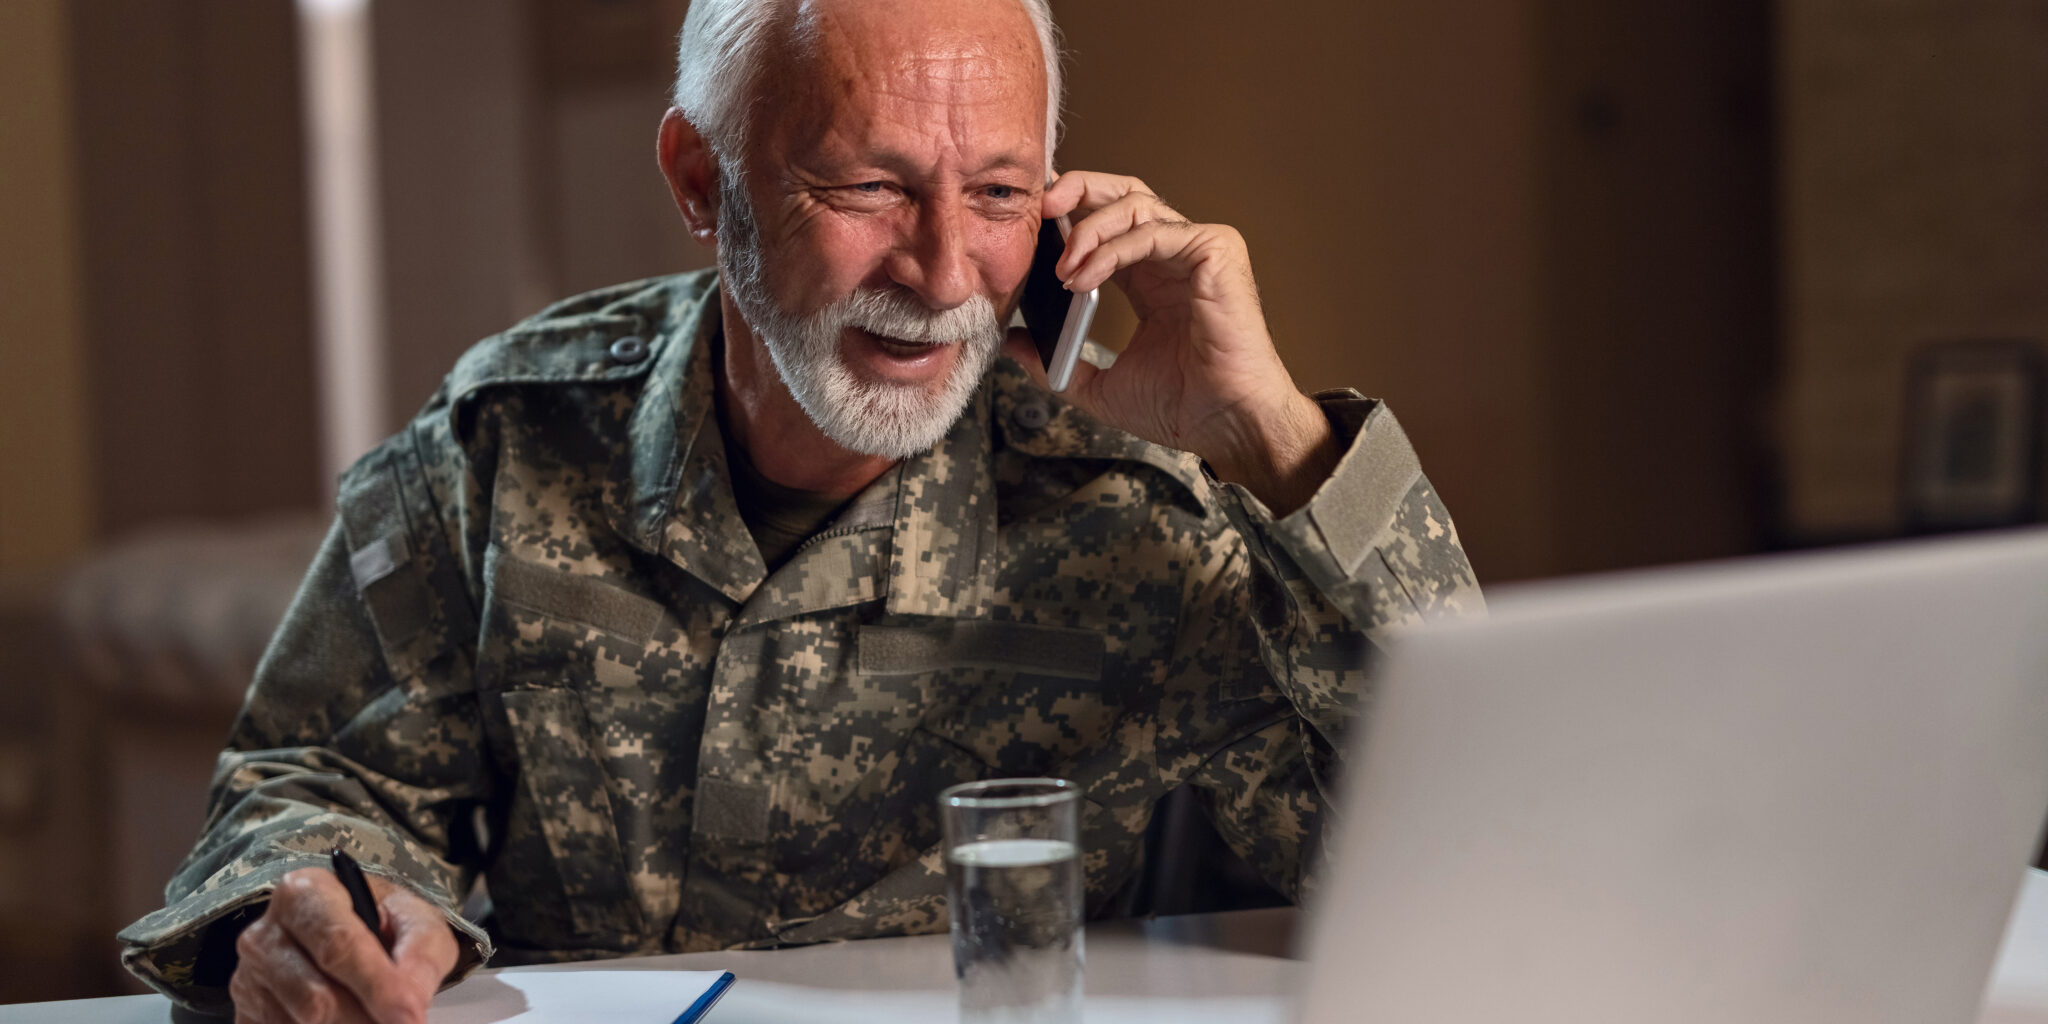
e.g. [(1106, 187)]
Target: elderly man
[(680, 602)]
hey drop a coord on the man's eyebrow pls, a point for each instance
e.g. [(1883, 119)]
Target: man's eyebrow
[(901, 163), (1008, 161)]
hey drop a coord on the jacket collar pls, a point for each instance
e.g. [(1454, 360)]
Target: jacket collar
[(1027, 419), (670, 492)]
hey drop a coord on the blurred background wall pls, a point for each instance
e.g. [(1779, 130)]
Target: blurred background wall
[(1643, 281), (1915, 191)]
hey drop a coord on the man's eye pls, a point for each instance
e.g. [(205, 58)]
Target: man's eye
[(1001, 191), (870, 187)]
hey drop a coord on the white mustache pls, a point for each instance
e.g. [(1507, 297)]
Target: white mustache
[(897, 314)]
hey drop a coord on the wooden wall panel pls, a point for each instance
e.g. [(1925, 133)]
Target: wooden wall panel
[(1656, 274), (191, 205), (455, 91), (1915, 192), (46, 511)]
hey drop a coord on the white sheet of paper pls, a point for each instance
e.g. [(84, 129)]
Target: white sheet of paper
[(556, 997), (764, 1002), (657, 997)]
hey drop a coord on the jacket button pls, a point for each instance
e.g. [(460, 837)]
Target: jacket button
[(1031, 415), (629, 349)]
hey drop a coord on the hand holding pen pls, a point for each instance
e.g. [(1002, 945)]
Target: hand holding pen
[(322, 952), (365, 905)]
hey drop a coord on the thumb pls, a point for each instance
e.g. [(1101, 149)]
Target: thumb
[(422, 943)]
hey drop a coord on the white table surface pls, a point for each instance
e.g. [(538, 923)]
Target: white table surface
[(1234, 967)]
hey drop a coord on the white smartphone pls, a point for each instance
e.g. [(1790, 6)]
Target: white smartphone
[(1057, 318)]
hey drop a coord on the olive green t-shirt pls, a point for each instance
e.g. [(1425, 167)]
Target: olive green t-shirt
[(780, 518)]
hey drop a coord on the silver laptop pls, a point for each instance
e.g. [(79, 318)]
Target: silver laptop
[(1795, 789)]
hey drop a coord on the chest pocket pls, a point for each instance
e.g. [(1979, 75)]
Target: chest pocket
[(562, 838), (547, 628), (1017, 696), (564, 660)]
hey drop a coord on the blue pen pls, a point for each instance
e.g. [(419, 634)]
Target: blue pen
[(704, 1002)]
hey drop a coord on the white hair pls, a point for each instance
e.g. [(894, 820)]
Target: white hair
[(723, 46)]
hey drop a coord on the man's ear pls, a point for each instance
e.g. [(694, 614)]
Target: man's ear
[(692, 172)]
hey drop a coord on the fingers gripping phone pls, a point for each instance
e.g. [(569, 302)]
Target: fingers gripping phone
[(1057, 318)]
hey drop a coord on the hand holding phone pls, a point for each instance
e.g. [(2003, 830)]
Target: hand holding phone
[(1198, 372), (1057, 318)]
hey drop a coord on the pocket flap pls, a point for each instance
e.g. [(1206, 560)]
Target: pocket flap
[(979, 643), (562, 778), (580, 599)]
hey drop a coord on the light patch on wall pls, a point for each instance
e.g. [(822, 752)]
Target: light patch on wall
[(341, 177)]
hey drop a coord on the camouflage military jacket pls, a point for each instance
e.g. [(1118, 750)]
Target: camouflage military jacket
[(540, 644)]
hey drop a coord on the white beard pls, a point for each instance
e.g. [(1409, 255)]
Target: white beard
[(881, 418)]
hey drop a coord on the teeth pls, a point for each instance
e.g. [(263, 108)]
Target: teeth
[(904, 348)]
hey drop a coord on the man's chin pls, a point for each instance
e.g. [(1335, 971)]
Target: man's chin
[(895, 433)]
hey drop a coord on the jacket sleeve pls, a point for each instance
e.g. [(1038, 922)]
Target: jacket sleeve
[(1293, 622), (360, 730)]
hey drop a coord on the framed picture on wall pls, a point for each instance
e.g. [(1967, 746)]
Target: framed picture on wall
[(1973, 435)]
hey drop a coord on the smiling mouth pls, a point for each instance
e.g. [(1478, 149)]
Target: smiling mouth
[(904, 349)]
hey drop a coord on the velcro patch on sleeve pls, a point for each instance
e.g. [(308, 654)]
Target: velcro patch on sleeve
[(378, 559)]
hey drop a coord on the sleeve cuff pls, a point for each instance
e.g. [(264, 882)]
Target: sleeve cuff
[(186, 950), (1331, 536)]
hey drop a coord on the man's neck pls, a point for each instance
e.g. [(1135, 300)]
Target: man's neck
[(764, 419)]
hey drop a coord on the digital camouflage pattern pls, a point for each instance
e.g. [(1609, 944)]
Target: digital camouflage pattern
[(540, 644)]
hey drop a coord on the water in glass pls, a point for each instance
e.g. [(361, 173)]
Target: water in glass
[(1016, 930)]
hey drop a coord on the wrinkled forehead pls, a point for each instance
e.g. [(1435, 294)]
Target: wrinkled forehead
[(953, 39), (851, 66)]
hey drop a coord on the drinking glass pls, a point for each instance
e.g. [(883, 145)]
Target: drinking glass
[(1013, 886)]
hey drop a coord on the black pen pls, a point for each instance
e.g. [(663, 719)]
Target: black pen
[(351, 875)]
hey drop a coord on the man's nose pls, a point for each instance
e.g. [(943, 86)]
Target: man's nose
[(933, 262)]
